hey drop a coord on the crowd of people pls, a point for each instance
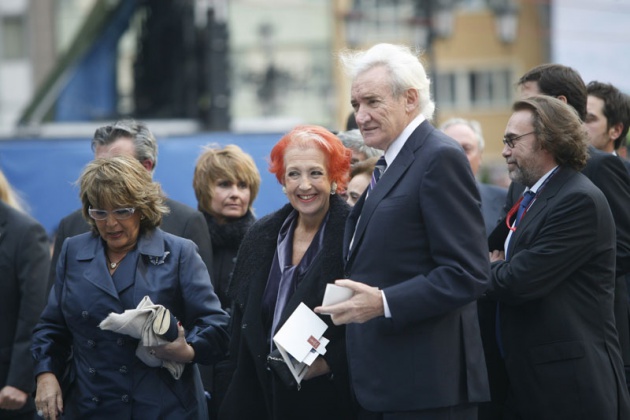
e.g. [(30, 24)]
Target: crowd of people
[(468, 300)]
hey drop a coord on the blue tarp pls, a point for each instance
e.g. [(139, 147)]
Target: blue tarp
[(44, 171)]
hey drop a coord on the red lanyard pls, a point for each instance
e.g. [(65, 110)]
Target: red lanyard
[(514, 208)]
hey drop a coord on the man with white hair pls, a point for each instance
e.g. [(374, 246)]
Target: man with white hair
[(415, 251), (468, 134)]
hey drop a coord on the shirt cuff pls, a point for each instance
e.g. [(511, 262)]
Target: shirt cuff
[(388, 314)]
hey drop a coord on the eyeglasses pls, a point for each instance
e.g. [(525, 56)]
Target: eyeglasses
[(119, 214), (509, 141)]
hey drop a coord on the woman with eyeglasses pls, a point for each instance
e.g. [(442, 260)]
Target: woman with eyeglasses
[(84, 371)]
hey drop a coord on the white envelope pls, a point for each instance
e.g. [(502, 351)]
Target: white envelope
[(336, 294), (301, 339)]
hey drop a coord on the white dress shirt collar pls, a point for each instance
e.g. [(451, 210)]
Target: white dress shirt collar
[(394, 148)]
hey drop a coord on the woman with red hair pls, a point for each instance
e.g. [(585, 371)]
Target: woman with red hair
[(287, 258)]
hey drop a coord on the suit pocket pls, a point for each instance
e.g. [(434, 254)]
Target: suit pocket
[(393, 201), (564, 350)]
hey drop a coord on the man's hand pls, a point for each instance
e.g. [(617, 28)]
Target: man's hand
[(12, 398), (365, 304), (497, 255)]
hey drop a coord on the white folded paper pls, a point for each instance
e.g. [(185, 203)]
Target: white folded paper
[(301, 339), (336, 294)]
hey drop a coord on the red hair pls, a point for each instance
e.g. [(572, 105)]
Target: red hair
[(305, 136)]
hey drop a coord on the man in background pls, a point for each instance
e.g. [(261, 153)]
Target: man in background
[(553, 275), (605, 170), (607, 118), (129, 137), (468, 134)]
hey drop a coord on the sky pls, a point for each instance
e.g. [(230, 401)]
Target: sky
[(593, 37)]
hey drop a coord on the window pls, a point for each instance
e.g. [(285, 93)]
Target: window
[(478, 88), (446, 90), (13, 37)]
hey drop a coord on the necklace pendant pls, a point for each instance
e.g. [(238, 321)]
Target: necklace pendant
[(113, 265)]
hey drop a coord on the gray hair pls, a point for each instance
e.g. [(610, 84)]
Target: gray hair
[(144, 142), (472, 124), (353, 140), (404, 67)]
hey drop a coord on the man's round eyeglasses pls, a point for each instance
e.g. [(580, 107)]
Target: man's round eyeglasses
[(119, 214), (509, 141)]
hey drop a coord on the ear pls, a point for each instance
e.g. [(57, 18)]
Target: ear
[(412, 100), (148, 164), (562, 98), (615, 131)]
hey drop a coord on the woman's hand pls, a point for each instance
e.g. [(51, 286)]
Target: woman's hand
[(318, 368), (177, 351), (48, 399)]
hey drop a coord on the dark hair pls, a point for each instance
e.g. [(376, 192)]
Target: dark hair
[(558, 130), (558, 80), (616, 106)]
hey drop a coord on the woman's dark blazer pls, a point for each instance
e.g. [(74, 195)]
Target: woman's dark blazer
[(253, 394), (106, 369)]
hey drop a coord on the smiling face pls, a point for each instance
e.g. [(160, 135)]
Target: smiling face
[(120, 235), (306, 182), (380, 116), (230, 200)]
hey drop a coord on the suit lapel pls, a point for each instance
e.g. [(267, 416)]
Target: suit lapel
[(388, 181), (540, 204), (95, 254)]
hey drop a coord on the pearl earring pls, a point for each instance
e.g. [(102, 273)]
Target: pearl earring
[(284, 190), (333, 188)]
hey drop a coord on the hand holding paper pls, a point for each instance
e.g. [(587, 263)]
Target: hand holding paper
[(366, 303), (300, 340), (335, 294)]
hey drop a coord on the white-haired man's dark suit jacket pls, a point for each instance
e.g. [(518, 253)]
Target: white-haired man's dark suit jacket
[(421, 240)]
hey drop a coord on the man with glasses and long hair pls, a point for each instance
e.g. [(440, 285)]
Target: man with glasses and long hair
[(553, 275)]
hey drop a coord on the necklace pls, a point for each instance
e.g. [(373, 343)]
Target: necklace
[(113, 265)]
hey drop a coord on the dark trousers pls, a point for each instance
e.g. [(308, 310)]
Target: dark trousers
[(458, 412)]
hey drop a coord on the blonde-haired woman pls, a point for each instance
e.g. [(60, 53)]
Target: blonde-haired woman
[(226, 183), (9, 195), (124, 258)]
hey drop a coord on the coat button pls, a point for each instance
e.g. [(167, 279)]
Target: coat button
[(123, 369), (120, 341), (92, 371), (84, 314), (96, 400), (244, 326), (125, 398), (91, 343)]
